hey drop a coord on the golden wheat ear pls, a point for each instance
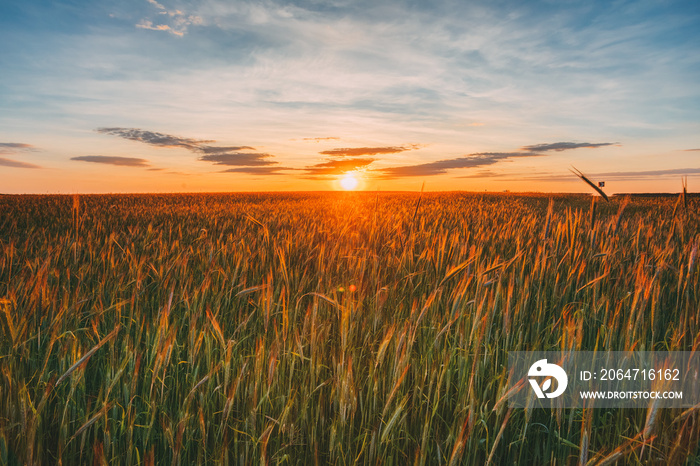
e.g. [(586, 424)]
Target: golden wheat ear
[(578, 173)]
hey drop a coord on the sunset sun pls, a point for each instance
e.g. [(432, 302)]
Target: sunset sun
[(349, 182)]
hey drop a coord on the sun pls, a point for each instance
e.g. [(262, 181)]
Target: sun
[(349, 182)]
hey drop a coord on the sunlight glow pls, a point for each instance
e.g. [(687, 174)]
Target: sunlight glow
[(349, 182)]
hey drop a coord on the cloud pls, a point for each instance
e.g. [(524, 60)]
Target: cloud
[(257, 170), (146, 24), (153, 138), (156, 4), (357, 151), (331, 138), (336, 167), (113, 160), (238, 159), (483, 174), (171, 172), (219, 155), (620, 175), (649, 173), (179, 21), (479, 159), (319, 177), (607, 176), (691, 150), (15, 148), (12, 147), (560, 146), (482, 159), (15, 164), (220, 150)]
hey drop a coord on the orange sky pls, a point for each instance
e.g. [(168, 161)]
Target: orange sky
[(148, 96)]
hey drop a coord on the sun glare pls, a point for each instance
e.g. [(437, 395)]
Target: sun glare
[(349, 182)]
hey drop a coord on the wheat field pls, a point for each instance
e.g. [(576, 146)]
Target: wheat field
[(333, 328)]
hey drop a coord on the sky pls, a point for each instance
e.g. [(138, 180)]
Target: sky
[(187, 96)]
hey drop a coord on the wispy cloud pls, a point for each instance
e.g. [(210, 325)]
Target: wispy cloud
[(648, 173), (336, 167), (561, 146), (147, 24), (482, 159), (113, 160), (603, 176), (153, 138), (221, 150), (358, 151), (483, 174), (16, 148), (330, 138), (258, 170), (691, 150), (12, 147), (249, 159), (173, 21), (479, 159), (219, 155), (16, 164)]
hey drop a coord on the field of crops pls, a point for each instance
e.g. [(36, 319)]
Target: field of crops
[(332, 327)]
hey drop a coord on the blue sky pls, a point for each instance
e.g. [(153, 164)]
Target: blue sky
[(146, 95)]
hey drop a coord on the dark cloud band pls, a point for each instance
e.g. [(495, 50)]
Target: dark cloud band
[(560, 146), (650, 173), (247, 159), (482, 159), (14, 146), (153, 138), (113, 160), (16, 164), (221, 150), (219, 155), (479, 159)]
